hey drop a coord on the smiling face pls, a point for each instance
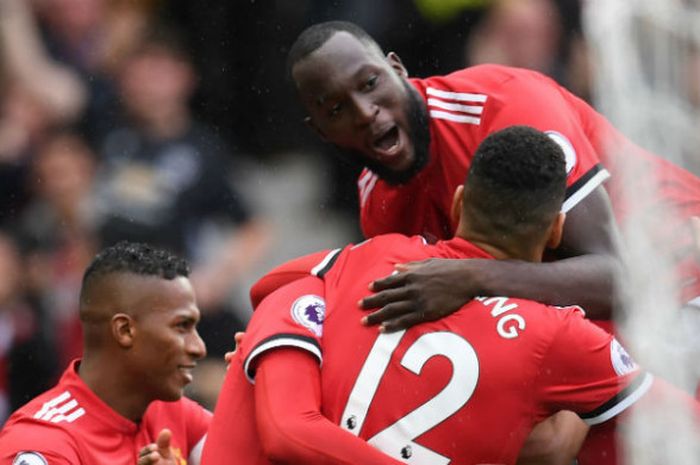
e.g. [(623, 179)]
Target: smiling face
[(360, 101), (166, 345)]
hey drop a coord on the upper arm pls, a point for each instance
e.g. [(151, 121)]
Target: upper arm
[(55, 445), (611, 382), (590, 228)]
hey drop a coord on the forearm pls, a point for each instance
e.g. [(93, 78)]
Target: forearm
[(586, 280), (55, 85), (292, 429)]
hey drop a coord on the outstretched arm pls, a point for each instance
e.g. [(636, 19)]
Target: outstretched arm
[(585, 274)]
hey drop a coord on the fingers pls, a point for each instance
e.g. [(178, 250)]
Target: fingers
[(402, 322), (238, 337), (384, 298), (401, 267), (163, 443), (388, 282), (387, 313), (149, 459)]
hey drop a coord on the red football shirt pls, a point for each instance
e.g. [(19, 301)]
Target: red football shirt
[(69, 424), (464, 389), (466, 106)]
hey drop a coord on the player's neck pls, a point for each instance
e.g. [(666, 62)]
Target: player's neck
[(106, 380)]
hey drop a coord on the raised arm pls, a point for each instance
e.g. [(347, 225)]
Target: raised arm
[(585, 274)]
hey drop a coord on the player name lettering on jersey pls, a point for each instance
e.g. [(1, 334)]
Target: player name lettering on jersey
[(460, 107), (61, 408), (508, 326)]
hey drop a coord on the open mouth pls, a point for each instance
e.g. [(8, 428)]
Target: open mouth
[(388, 142), (186, 371)]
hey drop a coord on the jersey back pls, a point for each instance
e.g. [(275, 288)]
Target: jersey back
[(465, 389)]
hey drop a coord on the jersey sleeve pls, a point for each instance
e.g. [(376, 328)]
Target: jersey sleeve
[(29, 443), (291, 316), (535, 100), (588, 372), (312, 264), (292, 428)]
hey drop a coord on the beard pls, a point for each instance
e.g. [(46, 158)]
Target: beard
[(418, 133)]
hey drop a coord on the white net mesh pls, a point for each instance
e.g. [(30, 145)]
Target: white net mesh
[(647, 61)]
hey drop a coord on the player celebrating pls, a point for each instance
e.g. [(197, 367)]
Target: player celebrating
[(141, 344), (417, 138), (465, 389)]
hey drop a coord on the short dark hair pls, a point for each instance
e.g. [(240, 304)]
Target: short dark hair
[(313, 37), (517, 181), (136, 258)]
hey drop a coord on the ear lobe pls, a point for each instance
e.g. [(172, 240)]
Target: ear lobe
[(123, 329), (396, 63), (310, 123), (557, 231)]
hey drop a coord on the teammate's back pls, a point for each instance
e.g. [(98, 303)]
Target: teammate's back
[(467, 388)]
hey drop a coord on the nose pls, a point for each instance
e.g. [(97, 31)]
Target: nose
[(365, 110), (195, 346)]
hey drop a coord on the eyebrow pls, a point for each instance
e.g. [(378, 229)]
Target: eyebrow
[(322, 99)]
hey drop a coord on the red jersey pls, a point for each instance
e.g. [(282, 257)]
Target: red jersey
[(465, 389), (466, 106), (69, 424)]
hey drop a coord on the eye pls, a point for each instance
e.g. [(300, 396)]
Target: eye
[(184, 325), (371, 83), (335, 110)]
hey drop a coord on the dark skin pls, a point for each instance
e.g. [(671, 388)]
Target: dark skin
[(355, 96), (584, 275)]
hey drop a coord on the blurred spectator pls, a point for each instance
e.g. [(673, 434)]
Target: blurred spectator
[(26, 360), (532, 34), (57, 229), (36, 92), (166, 180), (92, 37)]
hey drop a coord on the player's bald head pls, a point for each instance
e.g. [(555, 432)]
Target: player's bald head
[(117, 270), (313, 38)]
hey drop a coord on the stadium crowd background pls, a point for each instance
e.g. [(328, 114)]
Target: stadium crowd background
[(83, 116)]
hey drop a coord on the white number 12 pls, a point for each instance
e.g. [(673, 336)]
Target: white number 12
[(397, 440)]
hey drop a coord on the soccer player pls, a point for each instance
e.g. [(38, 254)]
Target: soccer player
[(417, 138), (467, 388), (141, 344)]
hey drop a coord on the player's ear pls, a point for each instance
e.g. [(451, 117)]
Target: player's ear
[(396, 63), (557, 231), (310, 123), (457, 204), (123, 329)]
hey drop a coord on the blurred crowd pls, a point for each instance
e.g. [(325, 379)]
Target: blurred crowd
[(134, 119)]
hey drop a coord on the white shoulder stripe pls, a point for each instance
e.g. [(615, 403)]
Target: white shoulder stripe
[(471, 109), (48, 405), (461, 96), (61, 408), (586, 189), (280, 342), (329, 256), (437, 114), (624, 404)]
